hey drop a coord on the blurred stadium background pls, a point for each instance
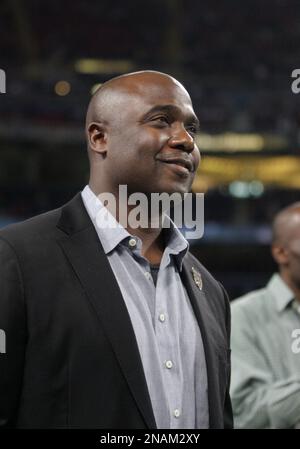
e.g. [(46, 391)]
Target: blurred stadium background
[(235, 58)]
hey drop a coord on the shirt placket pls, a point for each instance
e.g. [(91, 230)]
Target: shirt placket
[(165, 335)]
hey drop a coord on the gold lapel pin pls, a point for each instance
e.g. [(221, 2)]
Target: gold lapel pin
[(197, 278)]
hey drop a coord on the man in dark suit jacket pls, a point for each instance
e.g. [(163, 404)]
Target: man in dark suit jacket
[(78, 349)]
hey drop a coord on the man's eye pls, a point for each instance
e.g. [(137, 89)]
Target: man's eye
[(192, 129), (161, 119)]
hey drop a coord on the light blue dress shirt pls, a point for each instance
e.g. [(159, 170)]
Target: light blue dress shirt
[(265, 375), (166, 330)]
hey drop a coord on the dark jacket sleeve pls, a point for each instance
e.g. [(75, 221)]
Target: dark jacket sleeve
[(13, 333), (228, 416)]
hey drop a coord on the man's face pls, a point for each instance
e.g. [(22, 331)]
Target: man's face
[(150, 138), (287, 250), (293, 251)]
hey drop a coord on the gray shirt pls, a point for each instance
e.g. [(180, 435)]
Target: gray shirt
[(265, 382), (166, 330)]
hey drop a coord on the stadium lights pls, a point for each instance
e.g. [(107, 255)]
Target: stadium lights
[(62, 88), (253, 171), (233, 142), (103, 66)]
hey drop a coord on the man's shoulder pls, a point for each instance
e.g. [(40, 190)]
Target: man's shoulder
[(251, 304), (37, 227)]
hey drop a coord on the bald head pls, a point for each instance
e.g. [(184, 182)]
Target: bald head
[(286, 246), (110, 94), (286, 224)]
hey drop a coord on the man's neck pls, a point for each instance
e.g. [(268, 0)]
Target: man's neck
[(287, 279), (153, 244)]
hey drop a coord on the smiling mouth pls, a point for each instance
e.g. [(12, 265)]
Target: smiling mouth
[(179, 168), (185, 164)]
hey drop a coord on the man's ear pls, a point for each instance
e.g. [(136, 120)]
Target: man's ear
[(280, 254), (97, 137)]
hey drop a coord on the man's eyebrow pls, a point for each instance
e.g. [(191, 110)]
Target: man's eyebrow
[(172, 110)]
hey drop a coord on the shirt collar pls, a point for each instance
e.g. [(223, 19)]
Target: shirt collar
[(282, 293), (176, 244), (111, 236)]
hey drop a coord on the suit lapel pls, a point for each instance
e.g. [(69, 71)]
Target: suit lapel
[(211, 338), (85, 253)]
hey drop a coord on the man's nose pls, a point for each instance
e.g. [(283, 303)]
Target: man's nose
[(182, 140)]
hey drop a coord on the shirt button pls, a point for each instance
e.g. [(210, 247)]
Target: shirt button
[(162, 317), (132, 243), (176, 413), (148, 275), (169, 364)]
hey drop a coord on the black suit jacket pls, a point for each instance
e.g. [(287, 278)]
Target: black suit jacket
[(71, 358)]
